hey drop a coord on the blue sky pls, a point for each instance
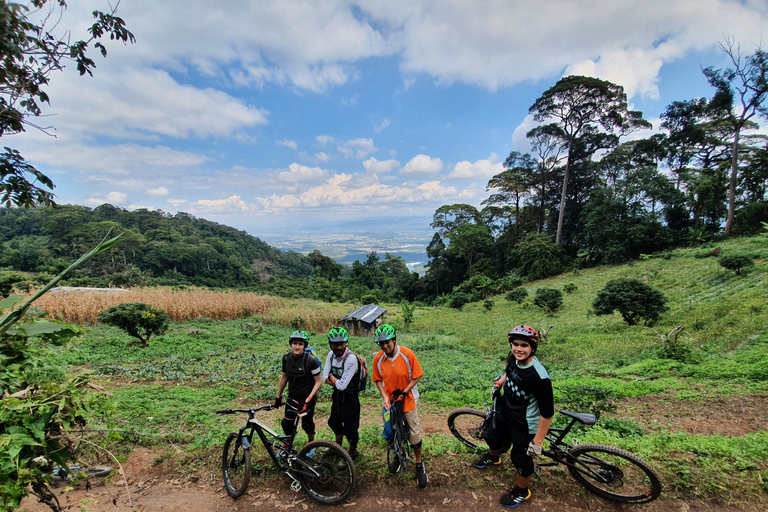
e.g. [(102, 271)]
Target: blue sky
[(285, 116)]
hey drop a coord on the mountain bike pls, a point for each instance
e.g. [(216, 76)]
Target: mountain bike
[(398, 445), (607, 471), (322, 469)]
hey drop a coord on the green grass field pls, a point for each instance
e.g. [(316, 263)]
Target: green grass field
[(168, 392)]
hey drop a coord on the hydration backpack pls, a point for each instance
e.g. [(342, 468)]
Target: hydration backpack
[(311, 352), (361, 375)]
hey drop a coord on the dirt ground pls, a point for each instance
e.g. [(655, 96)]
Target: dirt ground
[(148, 486)]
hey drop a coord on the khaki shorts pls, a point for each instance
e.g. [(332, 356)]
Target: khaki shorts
[(414, 424)]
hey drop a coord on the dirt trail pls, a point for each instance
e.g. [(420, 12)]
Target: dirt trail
[(154, 486)]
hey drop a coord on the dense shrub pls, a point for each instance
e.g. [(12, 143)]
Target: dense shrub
[(569, 287), (548, 299), (142, 321), (508, 283), (457, 299), (735, 261), (517, 295), (632, 298), (538, 257)]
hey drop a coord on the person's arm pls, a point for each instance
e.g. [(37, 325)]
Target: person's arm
[(350, 369), (313, 393), (411, 384), (384, 398), (281, 386), (541, 431)]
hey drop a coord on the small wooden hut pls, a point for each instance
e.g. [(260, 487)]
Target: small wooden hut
[(364, 320)]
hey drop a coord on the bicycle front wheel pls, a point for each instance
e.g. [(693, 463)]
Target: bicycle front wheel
[(468, 426), (235, 466), (613, 473), (335, 472)]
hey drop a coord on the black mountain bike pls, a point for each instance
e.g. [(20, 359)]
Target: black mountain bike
[(607, 471), (398, 444), (322, 469)]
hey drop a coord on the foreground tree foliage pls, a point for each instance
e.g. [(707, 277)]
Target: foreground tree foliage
[(30, 54), (142, 321), (41, 411), (633, 299)]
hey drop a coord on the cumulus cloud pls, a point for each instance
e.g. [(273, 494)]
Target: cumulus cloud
[(322, 156), (113, 198), (374, 166), (287, 143), (482, 169), (230, 204), (158, 192), (422, 164), (297, 173)]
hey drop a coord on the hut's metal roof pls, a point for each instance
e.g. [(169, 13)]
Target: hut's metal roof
[(368, 313)]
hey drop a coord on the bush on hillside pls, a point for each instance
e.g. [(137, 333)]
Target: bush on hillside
[(457, 299), (548, 299), (517, 295), (632, 298), (569, 287), (735, 261), (142, 321)]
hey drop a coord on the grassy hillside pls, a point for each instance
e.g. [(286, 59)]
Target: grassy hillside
[(694, 412)]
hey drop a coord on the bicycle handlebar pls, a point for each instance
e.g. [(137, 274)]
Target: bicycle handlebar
[(251, 410)]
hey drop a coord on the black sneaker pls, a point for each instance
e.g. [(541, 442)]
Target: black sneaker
[(421, 475), (354, 454), (515, 498), (486, 461)]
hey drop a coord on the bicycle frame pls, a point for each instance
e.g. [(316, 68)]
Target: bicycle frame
[(288, 462)]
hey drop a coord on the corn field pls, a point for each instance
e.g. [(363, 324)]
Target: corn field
[(83, 306)]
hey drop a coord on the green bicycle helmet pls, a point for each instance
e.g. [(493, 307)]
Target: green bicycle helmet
[(338, 335), (299, 335), (384, 332)]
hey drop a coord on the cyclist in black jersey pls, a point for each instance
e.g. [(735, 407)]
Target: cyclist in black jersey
[(525, 413), (301, 372)]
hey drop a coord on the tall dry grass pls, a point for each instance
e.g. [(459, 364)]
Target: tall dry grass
[(83, 306)]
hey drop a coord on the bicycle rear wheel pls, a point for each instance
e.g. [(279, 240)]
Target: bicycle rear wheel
[(235, 466), (468, 426), (336, 472), (397, 463), (613, 473)]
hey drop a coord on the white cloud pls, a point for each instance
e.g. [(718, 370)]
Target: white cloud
[(143, 103), (357, 148), (498, 43), (322, 156), (382, 125), (374, 166), (638, 70), (158, 192), (113, 198), (287, 143), (422, 164), (231, 204), (482, 169), (325, 140), (297, 173)]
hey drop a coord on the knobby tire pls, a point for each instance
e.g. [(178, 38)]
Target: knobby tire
[(337, 472), (465, 425), (235, 466), (614, 474)]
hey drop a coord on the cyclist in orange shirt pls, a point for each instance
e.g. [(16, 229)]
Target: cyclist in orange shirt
[(396, 371)]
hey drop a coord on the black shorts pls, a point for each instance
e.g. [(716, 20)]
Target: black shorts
[(345, 416), (502, 435), (308, 421)]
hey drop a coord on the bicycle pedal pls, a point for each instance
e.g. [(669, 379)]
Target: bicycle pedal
[(296, 486)]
